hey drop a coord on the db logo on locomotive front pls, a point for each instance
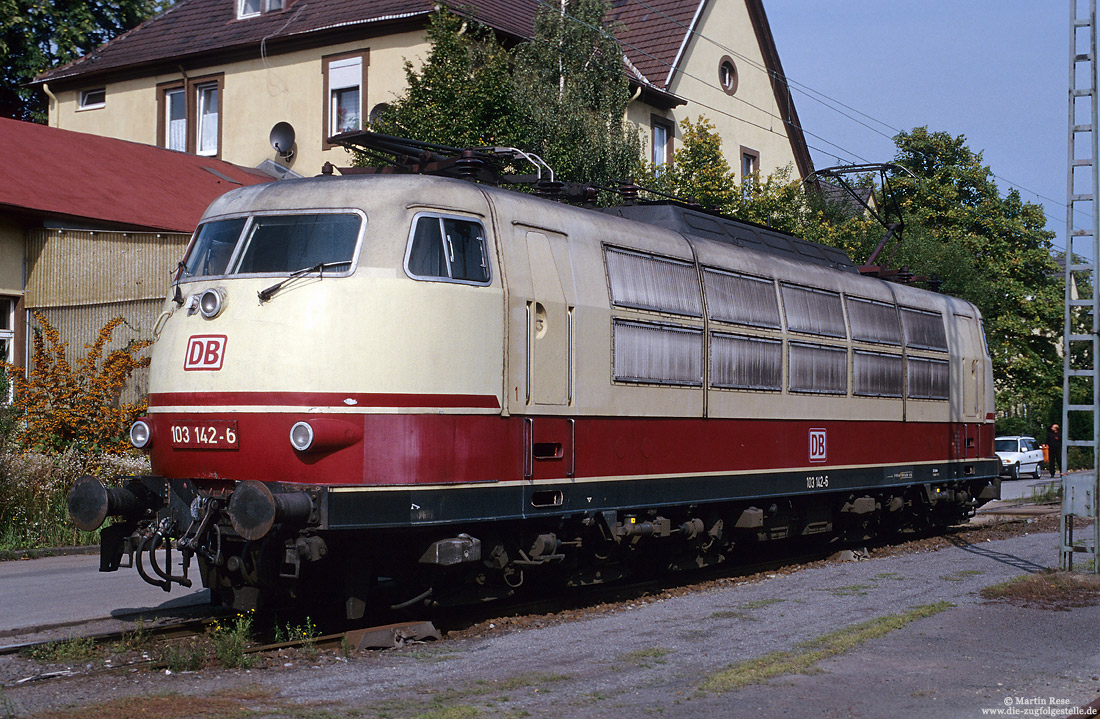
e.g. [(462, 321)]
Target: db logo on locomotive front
[(204, 352)]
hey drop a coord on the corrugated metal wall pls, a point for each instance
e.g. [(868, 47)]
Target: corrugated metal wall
[(80, 280)]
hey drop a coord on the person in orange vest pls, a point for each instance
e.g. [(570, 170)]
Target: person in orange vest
[(1054, 441)]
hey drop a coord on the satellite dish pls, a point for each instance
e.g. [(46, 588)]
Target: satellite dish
[(282, 139)]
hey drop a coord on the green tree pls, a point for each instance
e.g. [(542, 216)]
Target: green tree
[(991, 250), (698, 171), (569, 79), (562, 95), (463, 95), (36, 35)]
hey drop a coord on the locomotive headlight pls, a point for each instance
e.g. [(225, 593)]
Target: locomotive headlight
[(211, 303), (301, 436), (140, 434)]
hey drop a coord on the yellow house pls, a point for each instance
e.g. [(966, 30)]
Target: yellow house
[(213, 77)]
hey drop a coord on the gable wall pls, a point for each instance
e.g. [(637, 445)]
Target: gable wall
[(757, 124)]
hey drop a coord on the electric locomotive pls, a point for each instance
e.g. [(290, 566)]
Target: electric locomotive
[(421, 388)]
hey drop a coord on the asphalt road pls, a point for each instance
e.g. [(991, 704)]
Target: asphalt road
[(1027, 488), (42, 593)]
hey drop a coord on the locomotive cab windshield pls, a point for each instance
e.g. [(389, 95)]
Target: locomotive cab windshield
[(274, 244)]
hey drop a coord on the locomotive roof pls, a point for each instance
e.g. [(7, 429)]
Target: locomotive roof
[(689, 221), (832, 268)]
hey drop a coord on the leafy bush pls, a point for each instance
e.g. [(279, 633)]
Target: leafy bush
[(62, 406), (34, 488)]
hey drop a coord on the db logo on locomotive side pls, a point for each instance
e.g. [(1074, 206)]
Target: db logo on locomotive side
[(817, 445), (205, 352)]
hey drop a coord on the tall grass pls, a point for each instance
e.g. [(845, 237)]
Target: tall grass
[(34, 488)]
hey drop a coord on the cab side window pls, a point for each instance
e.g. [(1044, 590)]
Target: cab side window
[(447, 249)]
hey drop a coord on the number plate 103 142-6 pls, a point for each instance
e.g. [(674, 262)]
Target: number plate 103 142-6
[(208, 434)]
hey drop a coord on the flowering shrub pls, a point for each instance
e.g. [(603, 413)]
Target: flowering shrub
[(62, 406)]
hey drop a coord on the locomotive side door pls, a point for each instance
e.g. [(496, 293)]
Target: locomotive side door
[(549, 320), (548, 437)]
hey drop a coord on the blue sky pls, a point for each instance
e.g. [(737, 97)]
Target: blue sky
[(995, 71)]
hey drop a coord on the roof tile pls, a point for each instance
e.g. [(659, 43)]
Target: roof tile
[(651, 31)]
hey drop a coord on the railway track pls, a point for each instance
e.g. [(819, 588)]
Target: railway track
[(457, 621)]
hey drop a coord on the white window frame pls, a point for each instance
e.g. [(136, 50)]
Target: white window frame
[(243, 11), (203, 117), (86, 104), (171, 97), (8, 334), (344, 74)]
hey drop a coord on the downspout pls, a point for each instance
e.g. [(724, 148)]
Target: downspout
[(53, 103)]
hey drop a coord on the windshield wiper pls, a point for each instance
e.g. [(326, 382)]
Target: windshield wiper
[(267, 294)]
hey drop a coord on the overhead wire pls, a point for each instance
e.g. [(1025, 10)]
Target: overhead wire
[(829, 102), (786, 121)]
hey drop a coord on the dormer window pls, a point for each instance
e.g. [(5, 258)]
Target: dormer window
[(252, 8)]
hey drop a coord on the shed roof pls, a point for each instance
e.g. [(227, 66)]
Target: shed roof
[(75, 175)]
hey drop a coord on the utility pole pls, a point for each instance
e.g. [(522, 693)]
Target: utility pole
[(1081, 331)]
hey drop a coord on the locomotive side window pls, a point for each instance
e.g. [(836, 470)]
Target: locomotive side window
[(447, 249), (285, 243), (213, 246), (877, 375), (742, 299), (923, 329), (818, 368), (660, 354), (927, 378), (874, 321), (746, 362), (815, 312), (653, 283)]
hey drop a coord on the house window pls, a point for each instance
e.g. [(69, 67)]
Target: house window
[(252, 8), (7, 336), (175, 119), (750, 168), (663, 132), (208, 120), (345, 86), (190, 116), (727, 75), (93, 99)]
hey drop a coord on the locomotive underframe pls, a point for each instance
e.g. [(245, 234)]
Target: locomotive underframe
[(318, 545)]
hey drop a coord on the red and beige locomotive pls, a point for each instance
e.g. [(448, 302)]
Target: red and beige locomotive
[(410, 386)]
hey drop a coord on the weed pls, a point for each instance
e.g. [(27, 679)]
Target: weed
[(893, 576), (7, 709), (185, 657), (961, 575), (1046, 493), (73, 649), (808, 654), (645, 658), (760, 604), (231, 642), (137, 639), (1047, 590)]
